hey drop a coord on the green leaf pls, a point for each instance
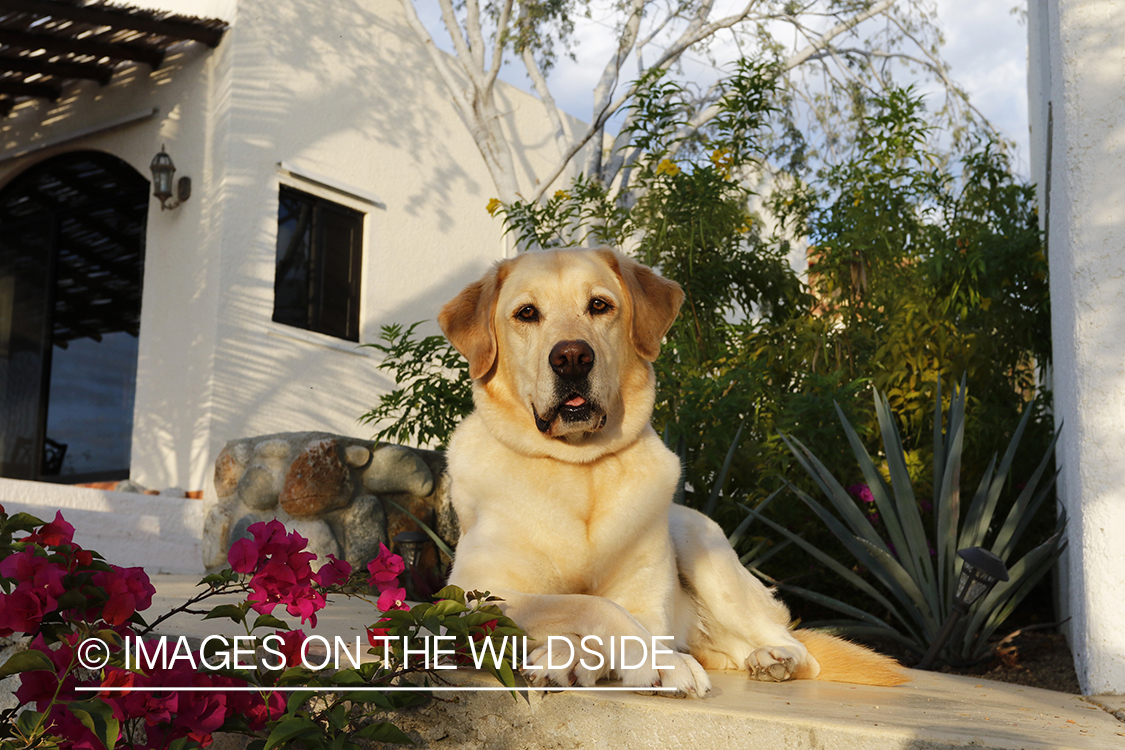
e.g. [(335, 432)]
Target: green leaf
[(23, 522), (913, 531), (447, 607), (97, 716), (29, 660), (268, 621), (453, 593), (888, 510), (291, 729), (233, 611), (384, 731), (848, 575), (27, 722), (297, 699)]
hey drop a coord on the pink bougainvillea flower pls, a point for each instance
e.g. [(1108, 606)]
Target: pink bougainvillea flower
[(385, 569), (378, 636), (862, 492), (52, 533), (269, 586), (260, 711), (334, 571), (129, 590), (290, 647), (20, 611), (391, 599), (271, 537), (243, 556)]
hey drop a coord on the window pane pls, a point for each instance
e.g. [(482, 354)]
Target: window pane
[(319, 251), (294, 248), (339, 313), (90, 417)]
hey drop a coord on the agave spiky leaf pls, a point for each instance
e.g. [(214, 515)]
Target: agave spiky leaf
[(920, 588), (847, 574)]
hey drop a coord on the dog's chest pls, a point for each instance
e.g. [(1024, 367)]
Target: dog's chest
[(565, 523)]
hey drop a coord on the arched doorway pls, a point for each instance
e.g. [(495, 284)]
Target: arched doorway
[(72, 239)]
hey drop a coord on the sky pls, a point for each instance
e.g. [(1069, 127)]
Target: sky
[(986, 46)]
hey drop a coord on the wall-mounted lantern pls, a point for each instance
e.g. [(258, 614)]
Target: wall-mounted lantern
[(162, 172)]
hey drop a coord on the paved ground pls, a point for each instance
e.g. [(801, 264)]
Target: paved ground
[(932, 711)]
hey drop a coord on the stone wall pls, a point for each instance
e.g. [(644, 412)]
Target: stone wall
[(345, 495)]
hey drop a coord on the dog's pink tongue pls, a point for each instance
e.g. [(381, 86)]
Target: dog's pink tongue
[(576, 401)]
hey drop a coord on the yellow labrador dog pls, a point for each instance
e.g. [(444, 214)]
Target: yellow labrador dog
[(564, 492)]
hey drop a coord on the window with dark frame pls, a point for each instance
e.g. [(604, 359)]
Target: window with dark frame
[(319, 254)]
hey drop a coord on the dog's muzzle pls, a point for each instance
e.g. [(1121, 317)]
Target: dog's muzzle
[(571, 362)]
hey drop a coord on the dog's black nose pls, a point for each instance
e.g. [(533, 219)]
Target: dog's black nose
[(571, 360)]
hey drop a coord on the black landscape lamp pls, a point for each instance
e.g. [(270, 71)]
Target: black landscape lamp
[(409, 544), (980, 572)]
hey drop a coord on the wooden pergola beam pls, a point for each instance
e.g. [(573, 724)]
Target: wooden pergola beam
[(37, 90), (118, 19), (150, 56), (42, 66)]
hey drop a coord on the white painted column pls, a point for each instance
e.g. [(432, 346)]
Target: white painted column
[(1077, 65)]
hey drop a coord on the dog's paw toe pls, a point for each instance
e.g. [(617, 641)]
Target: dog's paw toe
[(772, 664), (684, 678)]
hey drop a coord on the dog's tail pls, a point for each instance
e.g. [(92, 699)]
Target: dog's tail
[(844, 661)]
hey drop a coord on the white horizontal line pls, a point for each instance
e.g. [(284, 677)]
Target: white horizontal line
[(364, 688)]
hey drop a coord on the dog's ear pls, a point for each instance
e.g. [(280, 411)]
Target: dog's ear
[(466, 321), (655, 302)]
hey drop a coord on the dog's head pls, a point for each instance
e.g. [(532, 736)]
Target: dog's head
[(562, 341)]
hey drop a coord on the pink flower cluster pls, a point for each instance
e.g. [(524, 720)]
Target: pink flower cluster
[(167, 715), (282, 572), (40, 571), (383, 573)]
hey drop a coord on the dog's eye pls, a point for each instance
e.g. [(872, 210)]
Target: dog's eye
[(528, 314), (599, 306)]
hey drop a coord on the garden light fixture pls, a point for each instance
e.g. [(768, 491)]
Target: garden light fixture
[(162, 172), (409, 544), (980, 571)]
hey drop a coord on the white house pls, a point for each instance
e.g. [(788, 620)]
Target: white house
[(333, 190), (1076, 86)]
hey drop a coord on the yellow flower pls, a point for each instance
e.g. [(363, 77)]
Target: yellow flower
[(668, 167), (561, 195), (722, 158), (493, 206)]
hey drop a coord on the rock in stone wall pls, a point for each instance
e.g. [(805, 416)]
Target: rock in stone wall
[(345, 495)]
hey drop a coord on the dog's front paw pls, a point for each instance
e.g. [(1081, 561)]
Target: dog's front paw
[(680, 676), (774, 663), (561, 662)]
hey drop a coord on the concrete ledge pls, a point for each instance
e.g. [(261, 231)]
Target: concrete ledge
[(933, 711), (161, 534)]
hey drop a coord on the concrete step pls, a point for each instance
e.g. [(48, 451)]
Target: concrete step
[(932, 711)]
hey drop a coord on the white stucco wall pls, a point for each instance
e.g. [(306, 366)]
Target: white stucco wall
[(336, 90), (1077, 64)]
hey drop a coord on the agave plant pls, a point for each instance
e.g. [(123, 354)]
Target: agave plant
[(913, 577)]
